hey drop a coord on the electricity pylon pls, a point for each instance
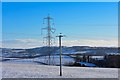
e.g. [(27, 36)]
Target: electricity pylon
[(49, 38)]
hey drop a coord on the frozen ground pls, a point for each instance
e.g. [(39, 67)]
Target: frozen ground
[(54, 60), (31, 70)]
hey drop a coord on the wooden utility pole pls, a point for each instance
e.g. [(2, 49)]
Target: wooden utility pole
[(60, 46)]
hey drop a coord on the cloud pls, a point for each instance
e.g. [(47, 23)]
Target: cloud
[(27, 40), (31, 43), (85, 42), (22, 43)]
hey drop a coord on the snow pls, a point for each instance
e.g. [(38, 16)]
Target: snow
[(32, 70), (56, 58), (65, 60), (82, 52), (87, 64), (18, 61), (113, 53), (0, 71), (66, 51), (98, 57)]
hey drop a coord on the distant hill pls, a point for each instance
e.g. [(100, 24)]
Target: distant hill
[(39, 51)]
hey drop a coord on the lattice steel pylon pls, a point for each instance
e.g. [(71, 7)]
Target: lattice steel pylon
[(49, 38)]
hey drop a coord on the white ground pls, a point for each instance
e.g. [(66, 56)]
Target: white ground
[(28, 70)]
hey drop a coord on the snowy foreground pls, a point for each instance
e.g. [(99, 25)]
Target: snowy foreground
[(27, 70)]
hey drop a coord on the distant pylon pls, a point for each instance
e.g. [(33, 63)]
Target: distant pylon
[(49, 38)]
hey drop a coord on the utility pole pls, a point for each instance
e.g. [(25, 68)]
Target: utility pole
[(49, 37), (60, 46)]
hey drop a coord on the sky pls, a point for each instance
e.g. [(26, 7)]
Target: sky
[(83, 23), (59, 0), (0, 18)]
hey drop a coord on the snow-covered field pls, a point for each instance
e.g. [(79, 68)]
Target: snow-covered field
[(44, 59), (34, 70), (55, 59)]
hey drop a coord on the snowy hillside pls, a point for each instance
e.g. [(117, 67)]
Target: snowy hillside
[(44, 59), (36, 52), (20, 70)]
